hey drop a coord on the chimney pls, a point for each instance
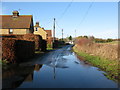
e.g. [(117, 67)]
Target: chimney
[(43, 28), (37, 24), (15, 13)]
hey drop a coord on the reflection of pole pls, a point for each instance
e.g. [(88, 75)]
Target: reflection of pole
[(54, 31), (54, 72), (62, 34)]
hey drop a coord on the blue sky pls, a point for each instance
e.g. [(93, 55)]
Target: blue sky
[(100, 21)]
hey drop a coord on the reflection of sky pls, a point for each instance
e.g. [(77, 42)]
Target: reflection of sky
[(75, 76)]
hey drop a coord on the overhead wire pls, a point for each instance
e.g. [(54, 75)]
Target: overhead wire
[(66, 9), (58, 25), (84, 17)]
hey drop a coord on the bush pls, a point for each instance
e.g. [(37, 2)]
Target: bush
[(109, 40), (49, 46)]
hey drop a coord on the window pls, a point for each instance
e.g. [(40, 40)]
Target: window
[(36, 29), (11, 31)]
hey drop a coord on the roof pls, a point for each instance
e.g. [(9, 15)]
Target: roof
[(49, 32), (22, 21)]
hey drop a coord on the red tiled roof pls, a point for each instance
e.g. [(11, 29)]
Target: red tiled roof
[(22, 21)]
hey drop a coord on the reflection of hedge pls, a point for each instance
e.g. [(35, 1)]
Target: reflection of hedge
[(16, 49)]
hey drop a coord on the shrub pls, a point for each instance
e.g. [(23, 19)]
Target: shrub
[(49, 46), (109, 40)]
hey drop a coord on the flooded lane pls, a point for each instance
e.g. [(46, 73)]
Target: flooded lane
[(62, 69)]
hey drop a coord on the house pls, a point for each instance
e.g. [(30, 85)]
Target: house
[(16, 24), (49, 33), (40, 31), (49, 36)]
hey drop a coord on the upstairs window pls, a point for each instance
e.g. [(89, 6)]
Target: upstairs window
[(10, 31), (36, 29)]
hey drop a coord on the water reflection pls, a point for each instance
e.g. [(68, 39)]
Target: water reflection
[(37, 67), (83, 61), (13, 77), (58, 69)]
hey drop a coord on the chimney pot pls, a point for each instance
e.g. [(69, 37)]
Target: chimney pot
[(15, 13)]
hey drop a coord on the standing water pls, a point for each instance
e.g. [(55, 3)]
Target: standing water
[(62, 69)]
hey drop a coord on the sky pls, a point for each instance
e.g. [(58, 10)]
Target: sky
[(99, 19)]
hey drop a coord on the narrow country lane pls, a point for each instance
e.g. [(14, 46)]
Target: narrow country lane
[(62, 69)]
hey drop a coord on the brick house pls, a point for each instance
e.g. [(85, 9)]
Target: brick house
[(16, 24), (49, 36)]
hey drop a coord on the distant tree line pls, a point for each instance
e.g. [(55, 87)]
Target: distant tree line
[(98, 40)]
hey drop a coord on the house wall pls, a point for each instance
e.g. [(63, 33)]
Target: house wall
[(4, 31), (15, 31), (40, 32), (19, 31)]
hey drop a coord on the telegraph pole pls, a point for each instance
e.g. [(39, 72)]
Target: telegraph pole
[(62, 34), (75, 33), (54, 31)]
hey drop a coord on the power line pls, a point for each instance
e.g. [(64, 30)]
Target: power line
[(86, 13), (66, 9), (58, 25)]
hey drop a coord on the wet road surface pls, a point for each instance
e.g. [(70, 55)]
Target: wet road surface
[(61, 69)]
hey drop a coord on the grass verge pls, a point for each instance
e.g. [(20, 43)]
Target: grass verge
[(109, 66)]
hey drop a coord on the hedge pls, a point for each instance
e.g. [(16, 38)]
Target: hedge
[(44, 45), (18, 47), (27, 37), (36, 38), (14, 50)]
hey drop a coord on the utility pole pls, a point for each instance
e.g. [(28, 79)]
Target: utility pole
[(54, 31), (62, 34), (75, 33)]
